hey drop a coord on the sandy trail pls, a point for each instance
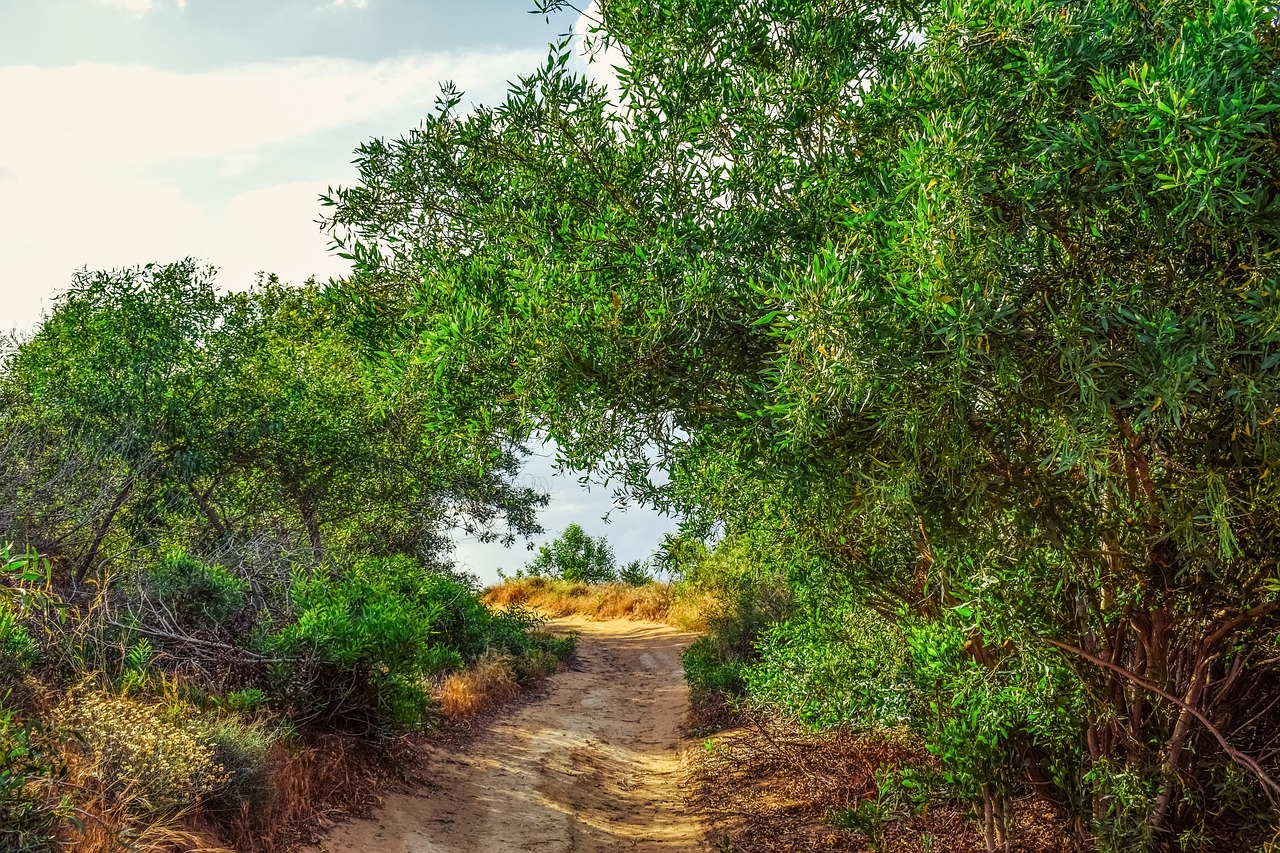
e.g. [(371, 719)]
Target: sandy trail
[(592, 765)]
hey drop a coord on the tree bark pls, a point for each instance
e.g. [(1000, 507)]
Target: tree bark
[(86, 562)]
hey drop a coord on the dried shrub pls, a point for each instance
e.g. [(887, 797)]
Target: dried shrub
[(108, 825), (491, 681), (137, 756), (651, 602), (336, 777)]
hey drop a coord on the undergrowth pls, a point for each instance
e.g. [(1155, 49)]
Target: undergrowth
[(179, 708)]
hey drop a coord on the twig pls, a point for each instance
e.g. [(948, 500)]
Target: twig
[(212, 644)]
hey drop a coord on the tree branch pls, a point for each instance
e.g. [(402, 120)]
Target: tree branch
[(1272, 787)]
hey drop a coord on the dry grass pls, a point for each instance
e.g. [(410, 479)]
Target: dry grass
[(110, 825), (653, 602), (780, 788), (334, 778), (463, 694)]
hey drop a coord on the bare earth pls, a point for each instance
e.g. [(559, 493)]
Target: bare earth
[(593, 765)]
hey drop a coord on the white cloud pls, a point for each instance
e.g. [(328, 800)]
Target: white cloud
[(109, 165), (349, 4), (140, 7), (122, 116)]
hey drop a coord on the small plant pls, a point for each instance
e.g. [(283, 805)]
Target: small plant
[(18, 651), (135, 672), (28, 818), (871, 816), (245, 701)]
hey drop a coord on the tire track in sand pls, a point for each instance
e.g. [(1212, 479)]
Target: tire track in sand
[(592, 765)]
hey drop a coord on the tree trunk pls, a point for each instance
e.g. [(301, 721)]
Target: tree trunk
[(86, 562), (209, 512), (1177, 744)]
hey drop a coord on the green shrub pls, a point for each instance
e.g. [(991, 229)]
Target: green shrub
[(29, 820), (440, 659), (708, 669), (459, 620), (835, 664), (196, 592), (542, 655), (364, 643), (244, 701), (360, 650), (241, 749)]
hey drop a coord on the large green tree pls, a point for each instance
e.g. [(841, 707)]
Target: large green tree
[(575, 555), (981, 300), (150, 412)]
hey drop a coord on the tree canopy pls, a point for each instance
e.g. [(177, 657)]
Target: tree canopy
[(977, 302), (149, 412)]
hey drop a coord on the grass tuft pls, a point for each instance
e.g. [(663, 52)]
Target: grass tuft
[(490, 682)]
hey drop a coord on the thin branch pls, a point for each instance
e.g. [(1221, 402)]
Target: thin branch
[(211, 644), (1273, 788)]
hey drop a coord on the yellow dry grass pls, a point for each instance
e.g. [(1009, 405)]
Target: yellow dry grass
[(491, 681), (653, 602)]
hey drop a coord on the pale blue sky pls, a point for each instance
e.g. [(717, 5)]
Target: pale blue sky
[(200, 35), (151, 130)]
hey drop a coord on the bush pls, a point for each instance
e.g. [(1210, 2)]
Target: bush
[(835, 664), (366, 642), (197, 593), (241, 749), (459, 620), (709, 670), (139, 756), (543, 654), (360, 652)]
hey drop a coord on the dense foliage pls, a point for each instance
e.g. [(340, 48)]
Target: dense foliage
[(575, 556), (965, 314), (243, 523)]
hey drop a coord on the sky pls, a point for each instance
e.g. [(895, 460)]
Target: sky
[(152, 130)]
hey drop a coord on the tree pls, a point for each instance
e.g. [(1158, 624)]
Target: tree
[(149, 413), (976, 300), (575, 556)]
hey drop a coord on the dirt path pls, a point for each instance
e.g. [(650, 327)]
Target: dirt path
[(594, 765)]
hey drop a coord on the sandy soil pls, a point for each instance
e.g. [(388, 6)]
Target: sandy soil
[(592, 765)]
